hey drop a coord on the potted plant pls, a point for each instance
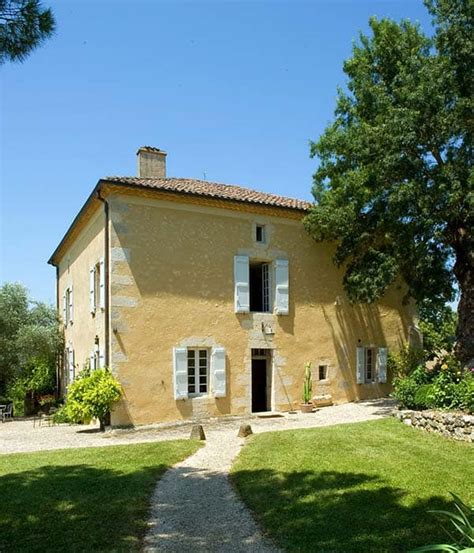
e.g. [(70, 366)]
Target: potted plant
[(307, 405)]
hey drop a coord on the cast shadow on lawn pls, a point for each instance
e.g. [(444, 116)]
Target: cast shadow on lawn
[(75, 508), (335, 512)]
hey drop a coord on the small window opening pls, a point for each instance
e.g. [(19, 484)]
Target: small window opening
[(323, 372), (260, 234), (260, 299)]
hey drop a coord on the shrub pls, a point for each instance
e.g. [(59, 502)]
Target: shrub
[(92, 396), (424, 396), (405, 390), (405, 361), (61, 416)]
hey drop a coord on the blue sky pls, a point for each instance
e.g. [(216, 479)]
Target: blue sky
[(231, 89)]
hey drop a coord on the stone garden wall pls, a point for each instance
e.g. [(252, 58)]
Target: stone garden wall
[(459, 426)]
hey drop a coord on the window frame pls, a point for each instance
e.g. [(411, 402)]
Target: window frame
[(196, 370), (325, 369), (263, 238), (267, 269), (67, 306), (373, 364)]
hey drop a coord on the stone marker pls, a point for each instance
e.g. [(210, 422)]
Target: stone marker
[(197, 432), (244, 431)]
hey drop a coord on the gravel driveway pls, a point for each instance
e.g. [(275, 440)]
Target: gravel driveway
[(21, 435)]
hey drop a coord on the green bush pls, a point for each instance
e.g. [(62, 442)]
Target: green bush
[(91, 396), (424, 396), (61, 416), (445, 386), (405, 361)]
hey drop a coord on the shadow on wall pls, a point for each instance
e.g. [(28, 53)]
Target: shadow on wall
[(87, 508), (338, 512), (361, 325)]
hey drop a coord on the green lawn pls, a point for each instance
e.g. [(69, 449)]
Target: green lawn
[(361, 487), (93, 499)]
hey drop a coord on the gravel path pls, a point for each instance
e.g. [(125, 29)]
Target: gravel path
[(194, 507)]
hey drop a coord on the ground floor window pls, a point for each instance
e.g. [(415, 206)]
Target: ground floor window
[(198, 371), (371, 365)]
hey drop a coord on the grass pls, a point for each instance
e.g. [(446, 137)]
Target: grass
[(362, 487), (92, 499)]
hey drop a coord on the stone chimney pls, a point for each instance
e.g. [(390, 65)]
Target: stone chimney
[(151, 162)]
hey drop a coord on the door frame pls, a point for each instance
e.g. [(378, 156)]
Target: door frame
[(267, 355)]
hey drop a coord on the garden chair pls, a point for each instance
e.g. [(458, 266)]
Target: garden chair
[(7, 413)]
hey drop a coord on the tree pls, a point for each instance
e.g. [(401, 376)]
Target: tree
[(24, 25), (394, 186), (30, 341)]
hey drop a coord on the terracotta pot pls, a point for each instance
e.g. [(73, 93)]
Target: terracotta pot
[(306, 407)]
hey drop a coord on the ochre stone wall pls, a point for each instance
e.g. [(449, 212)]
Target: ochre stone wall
[(74, 268), (172, 284)]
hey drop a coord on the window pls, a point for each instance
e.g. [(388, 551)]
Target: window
[(260, 234), (260, 298), (322, 372), (96, 358), (371, 365), (67, 306), (198, 371), (97, 287), (69, 368)]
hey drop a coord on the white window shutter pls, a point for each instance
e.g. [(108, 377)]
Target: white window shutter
[(71, 364), (92, 290), (218, 372), (64, 308), (101, 359), (360, 365), (382, 365), (282, 303), (92, 360), (71, 305), (241, 284), (180, 363), (102, 283)]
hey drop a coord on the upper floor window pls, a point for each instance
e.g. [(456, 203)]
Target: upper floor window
[(97, 286), (260, 234), (68, 306), (260, 295), (261, 286)]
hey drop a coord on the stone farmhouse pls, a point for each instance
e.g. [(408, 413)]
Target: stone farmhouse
[(207, 299)]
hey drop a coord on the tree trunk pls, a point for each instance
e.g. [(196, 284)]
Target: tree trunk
[(464, 271)]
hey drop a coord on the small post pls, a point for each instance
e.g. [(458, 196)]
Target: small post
[(244, 431), (197, 432)]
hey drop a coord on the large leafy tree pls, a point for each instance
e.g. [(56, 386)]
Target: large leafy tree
[(394, 184), (24, 25), (30, 338)]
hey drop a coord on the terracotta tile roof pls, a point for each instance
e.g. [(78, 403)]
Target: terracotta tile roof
[(212, 190)]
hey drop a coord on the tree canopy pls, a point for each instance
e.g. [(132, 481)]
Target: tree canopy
[(394, 184), (30, 340), (24, 25)]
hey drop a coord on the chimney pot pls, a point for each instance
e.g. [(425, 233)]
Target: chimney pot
[(151, 162)]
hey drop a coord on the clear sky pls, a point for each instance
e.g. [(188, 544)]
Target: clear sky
[(231, 89)]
